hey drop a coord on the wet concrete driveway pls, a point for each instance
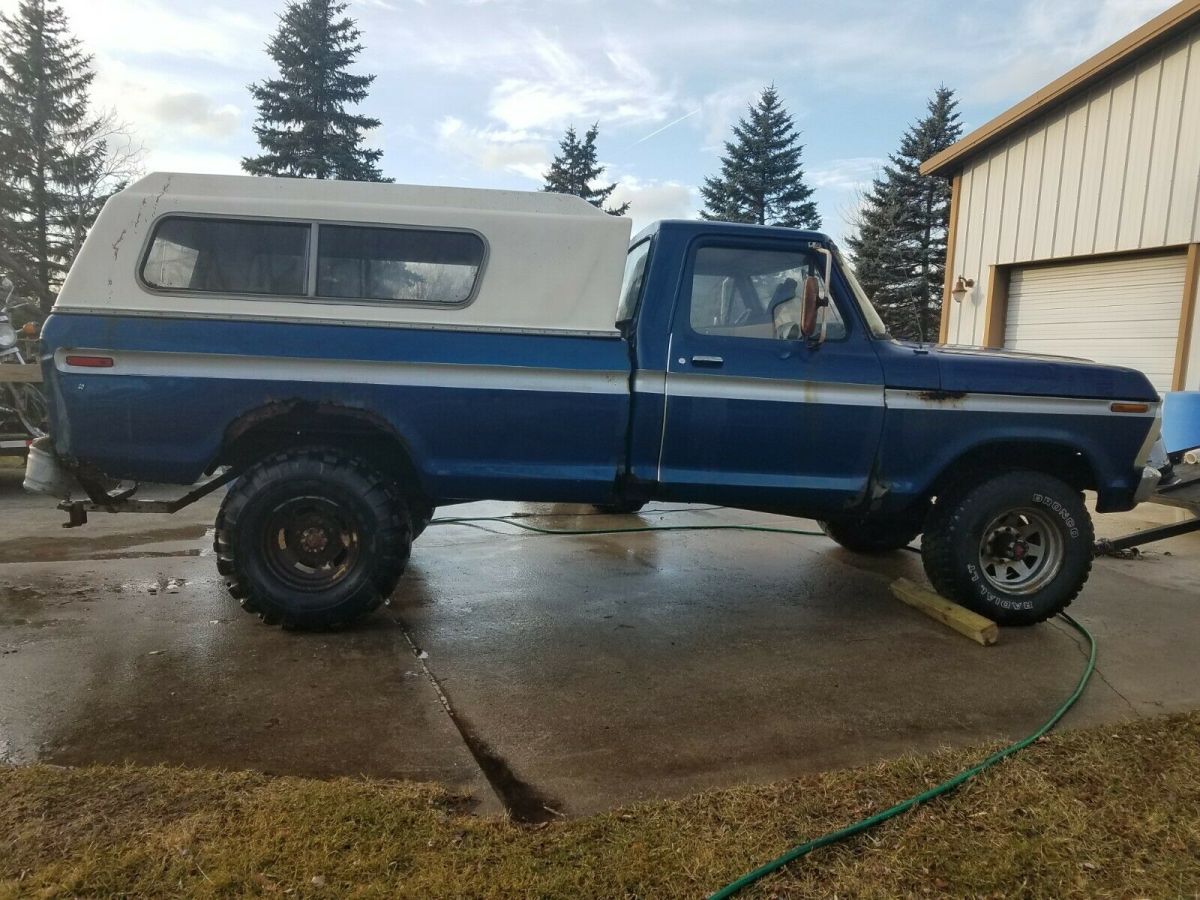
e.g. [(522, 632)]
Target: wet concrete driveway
[(536, 673)]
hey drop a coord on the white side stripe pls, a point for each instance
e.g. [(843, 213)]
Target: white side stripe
[(734, 387), (531, 378), (1007, 403), (343, 371)]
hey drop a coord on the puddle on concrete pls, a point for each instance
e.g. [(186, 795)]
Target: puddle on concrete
[(23, 605), (148, 554), (61, 548)]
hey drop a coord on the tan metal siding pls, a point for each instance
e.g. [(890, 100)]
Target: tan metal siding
[(1068, 187), (1114, 170), (1181, 219), (1052, 161), (1091, 174)]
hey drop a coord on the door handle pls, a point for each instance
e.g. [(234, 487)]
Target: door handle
[(712, 362)]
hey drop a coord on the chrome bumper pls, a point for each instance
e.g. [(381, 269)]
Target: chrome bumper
[(1149, 481)]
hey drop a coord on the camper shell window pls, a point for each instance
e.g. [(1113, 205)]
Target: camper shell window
[(228, 256), (400, 264)]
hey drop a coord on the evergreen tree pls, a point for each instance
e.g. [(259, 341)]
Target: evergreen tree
[(899, 249), (762, 180), (575, 170), (303, 123), (45, 151)]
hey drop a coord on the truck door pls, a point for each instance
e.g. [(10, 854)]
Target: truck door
[(756, 416)]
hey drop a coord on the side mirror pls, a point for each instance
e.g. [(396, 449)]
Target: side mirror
[(814, 299)]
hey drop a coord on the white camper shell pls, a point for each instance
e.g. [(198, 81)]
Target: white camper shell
[(517, 261)]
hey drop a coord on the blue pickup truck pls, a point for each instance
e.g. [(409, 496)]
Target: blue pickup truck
[(348, 357)]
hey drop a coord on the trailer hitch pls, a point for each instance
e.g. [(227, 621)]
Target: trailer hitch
[(121, 501)]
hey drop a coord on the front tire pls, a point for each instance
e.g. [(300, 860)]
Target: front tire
[(1016, 547), (312, 538)]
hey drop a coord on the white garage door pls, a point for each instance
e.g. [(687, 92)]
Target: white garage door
[(1119, 311)]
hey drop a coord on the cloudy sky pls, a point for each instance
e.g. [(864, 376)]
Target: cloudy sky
[(477, 92)]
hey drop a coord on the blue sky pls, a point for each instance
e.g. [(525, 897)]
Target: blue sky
[(477, 92)]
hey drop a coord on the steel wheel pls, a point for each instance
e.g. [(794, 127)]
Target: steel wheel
[(310, 543), (1021, 551)]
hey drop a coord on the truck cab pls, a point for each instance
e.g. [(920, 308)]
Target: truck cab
[(348, 357)]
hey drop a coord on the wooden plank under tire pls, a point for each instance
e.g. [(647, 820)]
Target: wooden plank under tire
[(970, 624)]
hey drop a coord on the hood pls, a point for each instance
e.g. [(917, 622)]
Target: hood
[(994, 371)]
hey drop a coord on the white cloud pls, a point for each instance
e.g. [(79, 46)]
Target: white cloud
[(199, 161), (203, 31), (196, 113), (561, 87), (846, 174), (651, 200), (510, 150), (1042, 41)]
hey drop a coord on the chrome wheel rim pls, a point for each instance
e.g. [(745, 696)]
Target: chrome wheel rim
[(1021, 551)]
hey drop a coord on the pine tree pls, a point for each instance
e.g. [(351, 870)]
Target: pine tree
[(575, 170), (303, 124), (45, 153), (762, 180), (899, 249)]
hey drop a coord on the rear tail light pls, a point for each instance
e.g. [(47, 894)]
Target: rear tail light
[(90, 362)]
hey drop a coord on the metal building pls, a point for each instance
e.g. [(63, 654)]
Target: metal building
[(1077, 212)]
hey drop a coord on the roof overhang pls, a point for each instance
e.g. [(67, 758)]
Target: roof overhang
[(1156, 31)]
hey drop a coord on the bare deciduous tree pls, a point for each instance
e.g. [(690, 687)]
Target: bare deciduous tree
[(118, 159)]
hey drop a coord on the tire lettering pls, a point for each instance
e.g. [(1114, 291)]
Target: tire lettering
[(1061, 511)]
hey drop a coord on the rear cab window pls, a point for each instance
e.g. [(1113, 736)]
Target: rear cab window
[(631, 284)]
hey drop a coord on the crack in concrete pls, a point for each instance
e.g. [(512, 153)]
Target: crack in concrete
[(524, 803), (1104, 678)]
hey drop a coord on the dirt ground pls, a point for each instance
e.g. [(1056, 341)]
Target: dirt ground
[(551, 675)]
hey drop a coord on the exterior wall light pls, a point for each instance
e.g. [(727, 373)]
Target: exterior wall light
[(961, 287)]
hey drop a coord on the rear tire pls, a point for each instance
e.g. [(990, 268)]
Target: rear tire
[(312, 538), (872, 536), (1016, 547)]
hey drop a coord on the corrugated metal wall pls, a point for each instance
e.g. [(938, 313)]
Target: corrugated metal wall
[(1116, 169)]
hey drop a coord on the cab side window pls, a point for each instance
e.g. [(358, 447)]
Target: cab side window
[(744, 292)]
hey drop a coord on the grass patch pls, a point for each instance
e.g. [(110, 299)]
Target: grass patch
[(1106, 812)]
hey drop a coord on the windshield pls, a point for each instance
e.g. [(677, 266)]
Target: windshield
[(874, 323)]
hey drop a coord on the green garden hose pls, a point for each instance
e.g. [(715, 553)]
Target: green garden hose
[(879, 818)]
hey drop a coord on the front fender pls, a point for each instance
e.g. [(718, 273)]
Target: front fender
[(924, 436)]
